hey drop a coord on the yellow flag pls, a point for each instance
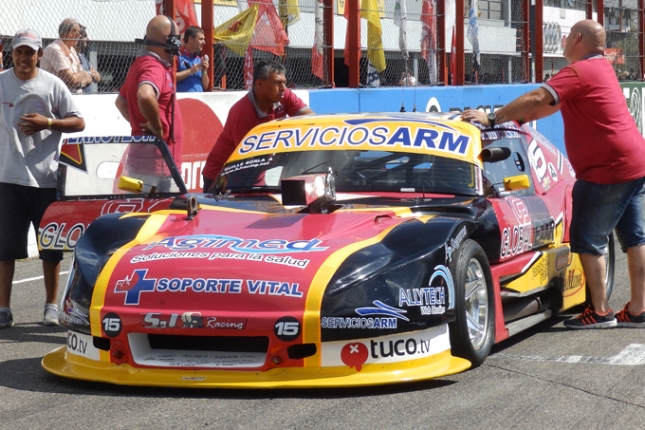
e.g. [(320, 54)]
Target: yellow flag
[(236, 33), (375, 54), (289, 12)]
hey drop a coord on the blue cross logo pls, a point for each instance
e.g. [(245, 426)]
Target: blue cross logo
[(134, 285)]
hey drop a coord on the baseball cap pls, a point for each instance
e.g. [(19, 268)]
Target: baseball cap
[(27, 37)]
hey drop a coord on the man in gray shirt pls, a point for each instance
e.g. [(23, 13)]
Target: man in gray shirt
[(36, 107)]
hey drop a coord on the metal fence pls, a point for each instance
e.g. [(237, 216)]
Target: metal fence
[(400, 44)]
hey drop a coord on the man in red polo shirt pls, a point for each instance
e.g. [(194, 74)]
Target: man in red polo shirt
[(607, 153), (147, 98), (268, 99)]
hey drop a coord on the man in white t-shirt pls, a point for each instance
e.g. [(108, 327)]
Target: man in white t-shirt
[(60, 57), (36, 108)]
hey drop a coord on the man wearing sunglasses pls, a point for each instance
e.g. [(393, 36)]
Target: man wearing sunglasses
[(60, 57)]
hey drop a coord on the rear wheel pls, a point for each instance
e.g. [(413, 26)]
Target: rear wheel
[(472, 334)]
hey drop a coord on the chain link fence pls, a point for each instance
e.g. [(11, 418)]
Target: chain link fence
[(400, 41)]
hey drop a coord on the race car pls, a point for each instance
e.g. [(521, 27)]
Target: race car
[(333, 250)]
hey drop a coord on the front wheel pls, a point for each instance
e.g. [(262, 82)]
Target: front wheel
[(472, 334)]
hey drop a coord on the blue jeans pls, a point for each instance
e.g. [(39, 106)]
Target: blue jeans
[(600, 208)]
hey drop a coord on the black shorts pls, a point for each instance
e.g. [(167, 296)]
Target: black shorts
[(22, 206)]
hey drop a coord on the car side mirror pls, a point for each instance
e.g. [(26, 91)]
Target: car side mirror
[(514, 183), (130, 184)]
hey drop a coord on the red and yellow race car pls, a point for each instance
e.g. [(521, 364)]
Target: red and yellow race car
[(334, 250)]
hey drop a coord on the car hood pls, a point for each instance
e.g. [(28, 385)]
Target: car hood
[(229, 261)]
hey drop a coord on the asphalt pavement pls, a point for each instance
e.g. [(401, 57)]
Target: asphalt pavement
[(547, 377)]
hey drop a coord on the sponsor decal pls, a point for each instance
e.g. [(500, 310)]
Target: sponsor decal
[(287, 329), (132, 205), (540, 270), (454, 242), (359, 323), (553, 172), (369, 318), (381, 136), (192, 378), (386, 349), (251, 246), (192, 320), (159, 320), (543, 231), (430, 300), (73, 315), (108, 139), (274, 259), (354, 355), (134, 285), (57, 236), (82, 344), (562, 260), (383, 309), (575, 280), (137, 283), (112, 324)]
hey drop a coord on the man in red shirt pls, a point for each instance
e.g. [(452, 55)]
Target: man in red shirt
[(268, 99), (147, 98), (607, 153)]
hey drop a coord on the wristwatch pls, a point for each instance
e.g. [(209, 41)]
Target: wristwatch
[(492, 119)]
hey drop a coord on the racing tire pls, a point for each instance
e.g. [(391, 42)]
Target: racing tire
[(610, 264), (472, 334)]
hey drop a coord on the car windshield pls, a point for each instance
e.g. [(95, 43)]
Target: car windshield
[(356, 171)]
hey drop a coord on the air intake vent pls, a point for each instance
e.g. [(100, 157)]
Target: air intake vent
[(210, 343)]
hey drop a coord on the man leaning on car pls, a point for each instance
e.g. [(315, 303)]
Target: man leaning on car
[(607, 153)]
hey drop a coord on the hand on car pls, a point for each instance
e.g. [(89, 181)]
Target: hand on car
[(474, 115)]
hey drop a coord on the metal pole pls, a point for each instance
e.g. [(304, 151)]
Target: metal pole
[(459, 40), (328, 18), (354, 31), (208, 25), (441, 42), (539, 42)]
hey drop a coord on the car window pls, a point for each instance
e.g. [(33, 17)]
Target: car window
[(516, 164)]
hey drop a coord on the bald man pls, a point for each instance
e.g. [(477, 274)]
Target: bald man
[(147, 98), (607, 153)]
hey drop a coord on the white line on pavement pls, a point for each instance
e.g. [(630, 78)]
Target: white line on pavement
[(633, 355), (35, 278)]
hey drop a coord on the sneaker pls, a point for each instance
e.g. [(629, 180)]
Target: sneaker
[(6, 319), (51, 315), (627, 319), (589, 318)]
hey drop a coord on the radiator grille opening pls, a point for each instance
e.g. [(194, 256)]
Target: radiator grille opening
[(210, 343)]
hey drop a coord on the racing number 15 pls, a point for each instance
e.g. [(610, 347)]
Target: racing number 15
[(287, 328)]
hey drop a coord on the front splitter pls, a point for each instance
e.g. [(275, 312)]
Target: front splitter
[(60, 362)]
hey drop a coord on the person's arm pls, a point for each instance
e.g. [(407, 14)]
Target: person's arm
[(79, 79), (32, 123), (122, 106), (186, 73), (531, 106), (305, 111), (205, 80), (149, 108), (96, 76)]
